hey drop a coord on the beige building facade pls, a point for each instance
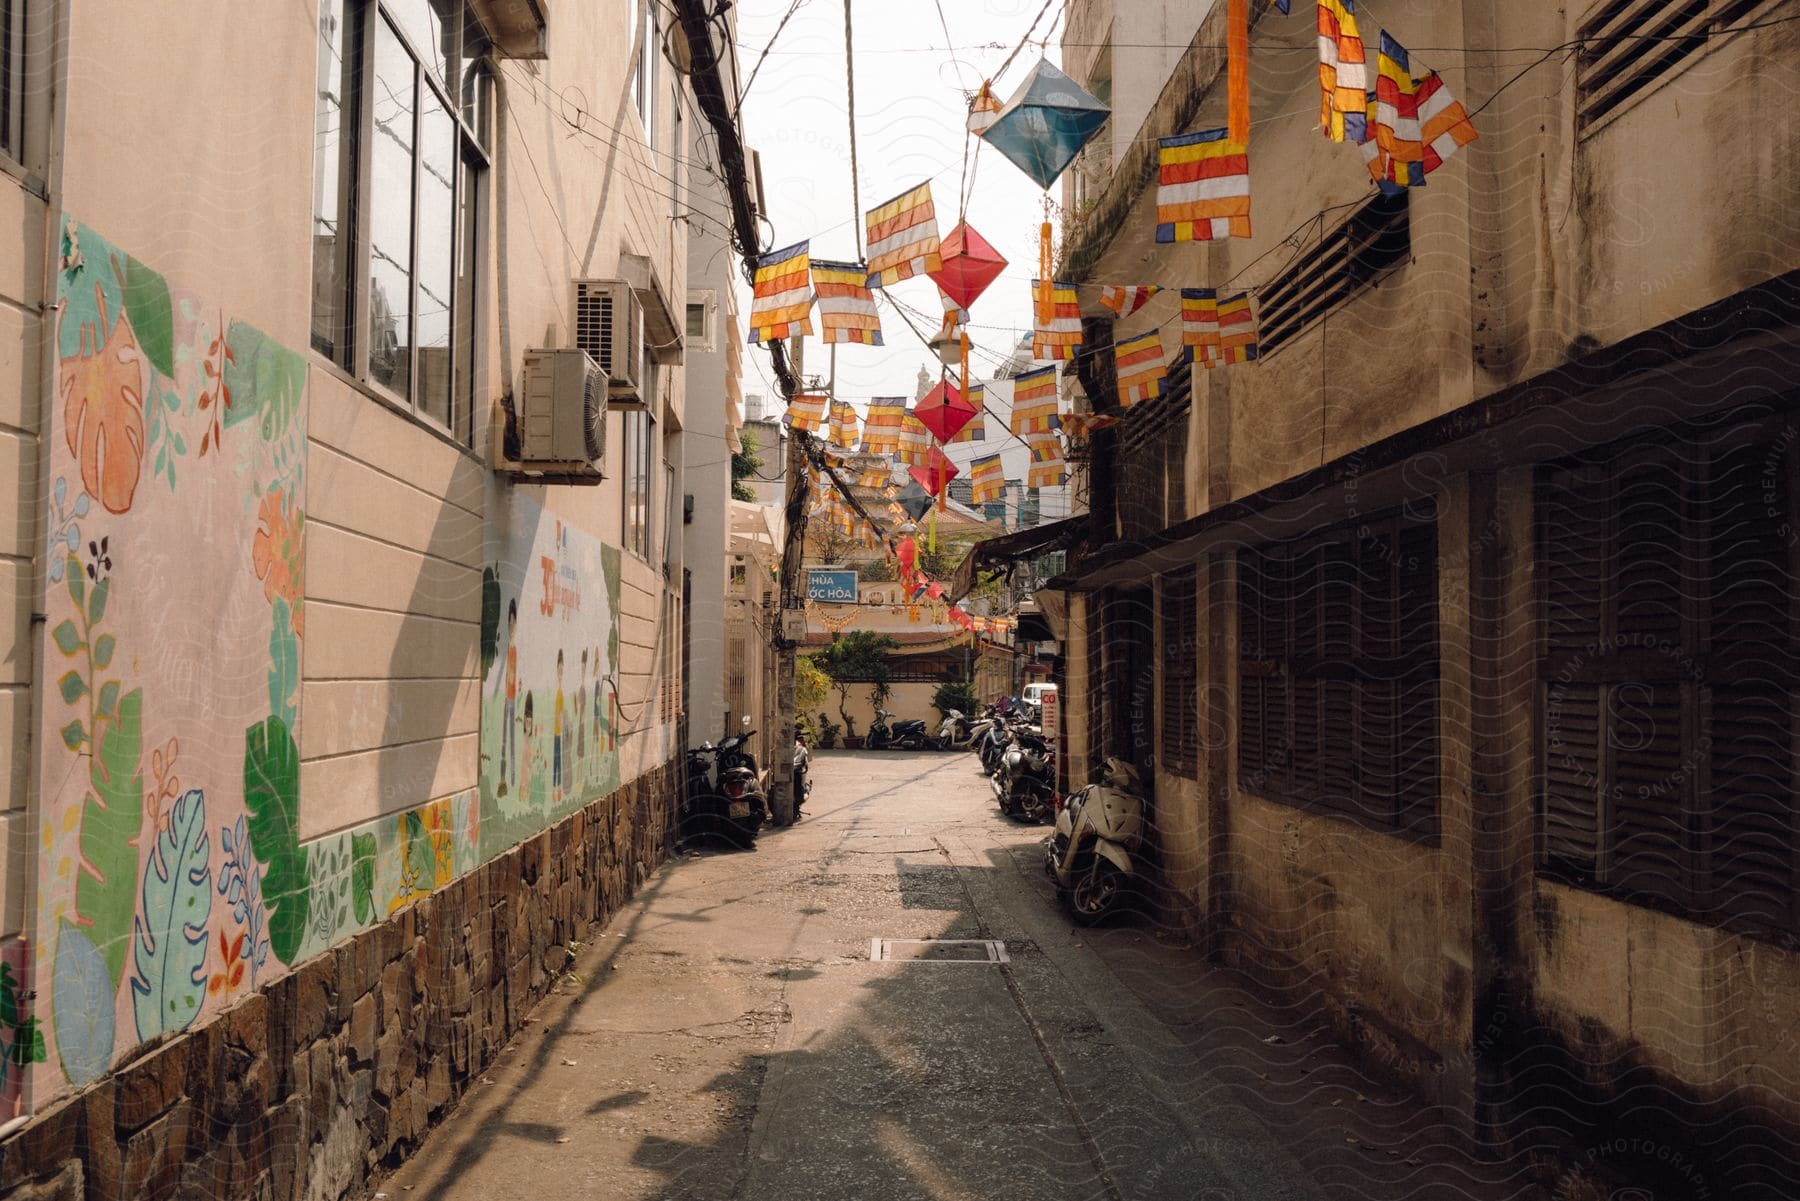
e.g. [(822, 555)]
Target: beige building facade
[(297, 648), (1456, 633)]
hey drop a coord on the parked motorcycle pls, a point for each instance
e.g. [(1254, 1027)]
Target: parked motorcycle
[(956, 732), (802, 773), (993, 740), (727, 791), (899, 736), (1097, 829), (1025, 784)]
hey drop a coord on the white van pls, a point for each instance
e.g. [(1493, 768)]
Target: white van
[(1032, 699)]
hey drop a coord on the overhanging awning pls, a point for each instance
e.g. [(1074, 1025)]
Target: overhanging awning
[(1010, 548)]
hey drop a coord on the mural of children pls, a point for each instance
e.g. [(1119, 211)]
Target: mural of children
[(556, 737), (581, 743), (509, 748), (524, 764)]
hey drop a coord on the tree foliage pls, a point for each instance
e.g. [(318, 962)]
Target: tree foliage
[(810, 684), (958, 695), (859, 657), (744, 464)]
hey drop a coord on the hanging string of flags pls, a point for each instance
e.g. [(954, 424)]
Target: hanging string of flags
[(1401, 115)]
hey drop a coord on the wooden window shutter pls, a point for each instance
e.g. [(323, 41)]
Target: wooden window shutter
[(1416, 620), (1337, 654), (1749, 816), (1572, 549), (1382, 662), (1179, 659)]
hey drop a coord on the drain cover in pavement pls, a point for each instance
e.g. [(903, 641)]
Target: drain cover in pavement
[(937, 950)]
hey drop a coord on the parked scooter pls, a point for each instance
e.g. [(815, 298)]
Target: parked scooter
[(956, 732), (994, 738), (1025, 784), (727, 791), (1097, 829), (802, 773), (900, 736)]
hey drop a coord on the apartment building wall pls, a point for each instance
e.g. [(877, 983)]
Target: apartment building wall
[(1453, 958), (310, 656)]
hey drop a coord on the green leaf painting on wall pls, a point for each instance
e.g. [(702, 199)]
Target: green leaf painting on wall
[(168, 984), (362, 876), (284, 664), (272, 797), (490, 618), (106, 887), (89, 283), (152, 316), (267, 378), (81, 1006)]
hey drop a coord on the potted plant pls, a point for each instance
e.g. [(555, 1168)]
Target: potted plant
[(828, 732)]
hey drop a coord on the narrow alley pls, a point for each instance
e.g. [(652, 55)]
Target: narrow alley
[(728, 1036)]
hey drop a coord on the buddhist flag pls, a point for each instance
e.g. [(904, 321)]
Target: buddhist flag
[(1203, 190), (976, 429), (1126, 300), (1200, 324), (1343, 73), (1034, 402), (1140, 367), (874, 477), (1414, 124), (807, 411), (915, 442), (903, 238), (1077, 426), (1061, 338), (988, 479), (1047, 462), (846, 306), (782, 294), (843, 425), (881, 429), (1237, 329)]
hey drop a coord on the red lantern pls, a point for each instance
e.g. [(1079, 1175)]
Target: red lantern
[(934, 475), (944, 411), (970, 264)]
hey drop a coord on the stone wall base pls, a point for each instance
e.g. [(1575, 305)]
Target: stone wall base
[(305, 1088)]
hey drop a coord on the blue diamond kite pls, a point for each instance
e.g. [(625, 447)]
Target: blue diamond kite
[(1046, 123)]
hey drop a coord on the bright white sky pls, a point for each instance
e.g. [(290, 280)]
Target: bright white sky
[(910, 112)]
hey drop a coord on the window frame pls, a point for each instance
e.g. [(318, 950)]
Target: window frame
[(1607, 794), (468, 103), (1284, 595), (1178, 621), (707, 301)]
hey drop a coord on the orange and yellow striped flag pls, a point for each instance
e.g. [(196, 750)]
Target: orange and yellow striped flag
[(1034, 402), (881, 429), (843, 425), (846, 306), (1200, 324), (976, 428), (1061, 338), (903, 238), (1203, 190), (914, 449), (807, 411), (1047, 462), (1140, 366), (782, 295), (988, 479), (1237, 329)]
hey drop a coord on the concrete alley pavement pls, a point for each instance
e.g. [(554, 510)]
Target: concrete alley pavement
[(730, 1036)]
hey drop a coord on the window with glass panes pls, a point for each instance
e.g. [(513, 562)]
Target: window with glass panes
[(400, 157)]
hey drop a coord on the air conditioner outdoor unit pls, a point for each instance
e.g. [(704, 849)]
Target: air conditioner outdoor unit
[(562, 413), (609, 325)]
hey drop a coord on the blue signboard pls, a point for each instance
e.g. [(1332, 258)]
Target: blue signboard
[(831, 586)]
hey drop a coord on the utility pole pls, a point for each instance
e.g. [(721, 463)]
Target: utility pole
[(720, 108)]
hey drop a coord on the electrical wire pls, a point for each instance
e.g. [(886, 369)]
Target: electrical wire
[(850, 115)]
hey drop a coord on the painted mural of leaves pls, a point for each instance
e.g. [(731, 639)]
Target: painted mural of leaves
[(362, 876), (81, 1000), (101, 391), (106, 884), (168, 984), (67, 636), (272, 799), (152, 316), (89, 285), (284, 664), (490, 619), (266, 377)]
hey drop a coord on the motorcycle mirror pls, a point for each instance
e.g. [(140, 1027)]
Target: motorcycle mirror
[(746, 721)]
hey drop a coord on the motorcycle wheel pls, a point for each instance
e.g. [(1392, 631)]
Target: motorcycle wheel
[(1095, 894)]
